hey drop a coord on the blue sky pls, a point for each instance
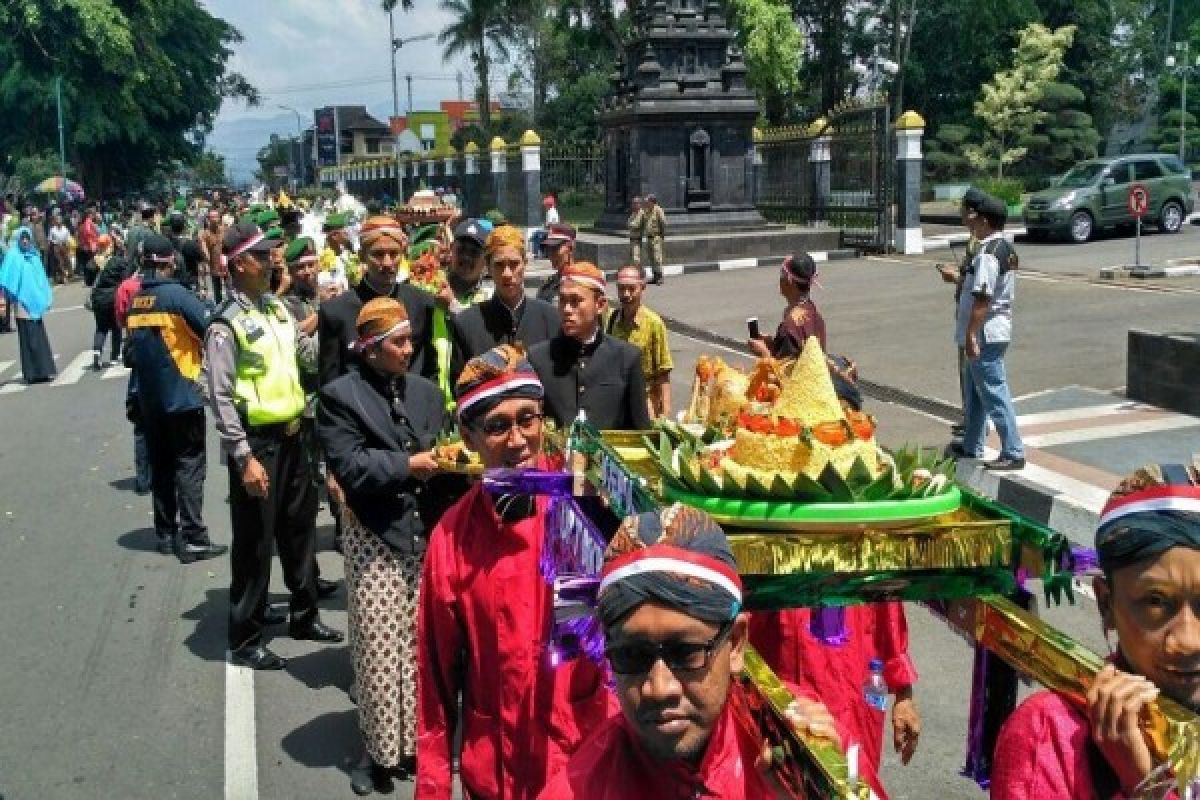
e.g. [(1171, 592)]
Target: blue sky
[(312, 53)]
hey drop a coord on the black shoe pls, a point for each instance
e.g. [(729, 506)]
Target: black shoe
[(166, 546), (314, 631), (958, 430), (369, 777), (274, 617), (658, 280), (257, 656), (1005, 464), (956, 451), (189, 552), (326, 588)]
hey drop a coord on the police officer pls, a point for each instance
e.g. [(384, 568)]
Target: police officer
[(637, 229), (655, 228), (254, 386), (166, 324)]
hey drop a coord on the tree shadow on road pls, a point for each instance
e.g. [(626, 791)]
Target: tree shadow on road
[(143, 539), (324, 742), (207, 639)]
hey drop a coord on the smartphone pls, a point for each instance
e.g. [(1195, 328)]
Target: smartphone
[(752, 326)]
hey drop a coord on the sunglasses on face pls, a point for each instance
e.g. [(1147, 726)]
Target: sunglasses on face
[(638, 658), (527, 422)]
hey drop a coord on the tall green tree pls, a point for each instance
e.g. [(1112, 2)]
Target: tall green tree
[(478, 30), (772, 43), (1008, 108), (139, 80)]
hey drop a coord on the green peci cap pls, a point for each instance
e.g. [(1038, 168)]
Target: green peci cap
[(303, 245), (335, 222)]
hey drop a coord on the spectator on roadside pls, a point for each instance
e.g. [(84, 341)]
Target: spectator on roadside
[(59, 239), (109, 271), (633, 322), (87, 237), (983, 329)]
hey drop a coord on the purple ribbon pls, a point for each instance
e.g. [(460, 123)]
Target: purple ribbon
[(977, 766), (573, 546), (1083, 560), (527, 481), (828, 624)]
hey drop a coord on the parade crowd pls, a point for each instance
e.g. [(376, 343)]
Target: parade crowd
[(338, 358)]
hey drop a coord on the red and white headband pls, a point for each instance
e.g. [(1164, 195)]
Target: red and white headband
[(246, 245), (672, 560), (365, 343), (584, 279), (1155, 498), (497, 386)]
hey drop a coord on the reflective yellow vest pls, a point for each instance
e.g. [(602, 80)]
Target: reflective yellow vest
[(266, 388)]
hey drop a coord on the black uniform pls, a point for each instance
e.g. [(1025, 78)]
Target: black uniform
[(603, 378), (369, 425), (337, 328), (488, 324)]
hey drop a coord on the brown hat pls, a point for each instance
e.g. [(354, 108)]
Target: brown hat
[(559, 233), (379, 318), (585, 273)]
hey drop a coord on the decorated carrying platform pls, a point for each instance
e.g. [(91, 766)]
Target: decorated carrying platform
[(819, 516)]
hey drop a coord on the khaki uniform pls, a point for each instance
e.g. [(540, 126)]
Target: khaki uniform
[(655, 229), (637, 226)]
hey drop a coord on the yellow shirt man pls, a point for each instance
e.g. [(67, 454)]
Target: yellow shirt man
[(645, 330)]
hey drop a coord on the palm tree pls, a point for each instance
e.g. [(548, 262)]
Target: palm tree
[(479, 25), (390, 5)]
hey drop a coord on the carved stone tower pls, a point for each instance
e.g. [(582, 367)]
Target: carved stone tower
[(679, 123)]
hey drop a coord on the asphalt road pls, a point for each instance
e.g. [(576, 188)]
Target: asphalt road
[(112, 674)]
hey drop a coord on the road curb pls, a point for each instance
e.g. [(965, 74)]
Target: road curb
[(537, 277), (1057, 510)]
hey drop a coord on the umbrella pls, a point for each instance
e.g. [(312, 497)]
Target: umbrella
[(55, 184)]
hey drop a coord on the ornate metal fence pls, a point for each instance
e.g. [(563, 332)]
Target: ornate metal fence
[(835, 172), (573, 168)]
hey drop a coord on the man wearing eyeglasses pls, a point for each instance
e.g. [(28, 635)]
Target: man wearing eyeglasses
[(485, 610), (669, 601), (258, 402)]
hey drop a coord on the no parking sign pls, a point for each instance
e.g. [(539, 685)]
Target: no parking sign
[(1139, 200)]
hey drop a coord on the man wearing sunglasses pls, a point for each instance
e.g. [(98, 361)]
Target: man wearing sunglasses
[(485, 609), (669, 601)]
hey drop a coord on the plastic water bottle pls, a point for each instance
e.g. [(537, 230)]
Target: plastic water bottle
[(876, 689)]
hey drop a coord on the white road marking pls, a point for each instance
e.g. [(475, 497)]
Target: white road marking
[(74, 370), (1111, 431), (1082, 412), (4, 365), (115, 371), (241, 756), (13, 387), (63, 309)]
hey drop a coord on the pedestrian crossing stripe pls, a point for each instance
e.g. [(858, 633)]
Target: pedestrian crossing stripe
[(78, 370)]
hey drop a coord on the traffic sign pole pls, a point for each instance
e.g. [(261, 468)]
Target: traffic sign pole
[(1139, 204)]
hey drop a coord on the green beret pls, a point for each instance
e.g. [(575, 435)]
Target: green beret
[(301, 246), (335, 222), (274, 234), (267, 218), (250, 217), (425, 233)]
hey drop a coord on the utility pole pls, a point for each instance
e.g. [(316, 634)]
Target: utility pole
[(459, 78), (408, 79), (392, 43), (62, 141)]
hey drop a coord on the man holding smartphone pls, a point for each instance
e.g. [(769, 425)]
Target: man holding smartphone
[(801, 319)]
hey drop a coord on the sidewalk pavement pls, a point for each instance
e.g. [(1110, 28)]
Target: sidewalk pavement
[(1079, 443)]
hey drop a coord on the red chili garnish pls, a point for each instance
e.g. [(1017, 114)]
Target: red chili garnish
[(833, 434), (787, 427)]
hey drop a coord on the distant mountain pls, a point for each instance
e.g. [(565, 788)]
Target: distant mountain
[(240, 139)]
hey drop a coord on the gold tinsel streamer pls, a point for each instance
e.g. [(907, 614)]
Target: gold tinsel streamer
[(959, 544), (824, 755), (1060, 663)]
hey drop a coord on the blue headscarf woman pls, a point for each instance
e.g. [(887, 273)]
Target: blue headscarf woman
[(24, 283)]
